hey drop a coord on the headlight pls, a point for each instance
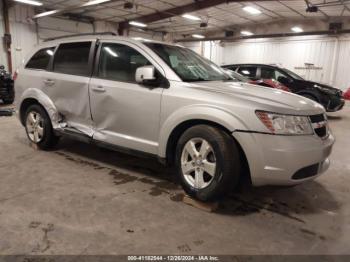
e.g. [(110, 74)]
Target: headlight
[(285, 124)]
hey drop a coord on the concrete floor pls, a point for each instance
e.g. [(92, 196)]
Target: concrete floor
[(80, 199)]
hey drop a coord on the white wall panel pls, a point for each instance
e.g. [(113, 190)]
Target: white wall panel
[(330, 53)]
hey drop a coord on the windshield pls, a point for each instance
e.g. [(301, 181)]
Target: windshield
[(292, 74), (188, 65)]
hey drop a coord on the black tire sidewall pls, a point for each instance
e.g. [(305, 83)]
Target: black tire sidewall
[(227, 172)]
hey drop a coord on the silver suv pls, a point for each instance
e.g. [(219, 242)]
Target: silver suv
[(167, 101)]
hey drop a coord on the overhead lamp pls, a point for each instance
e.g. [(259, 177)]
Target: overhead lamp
[(246, 33), (46, 13), (139, 24), (95, 2), (191, 17), (297, 29), (29, 2), (198, 36), (251, 10)]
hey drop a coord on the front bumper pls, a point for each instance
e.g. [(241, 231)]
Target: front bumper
[(335, 104), (284, 160)]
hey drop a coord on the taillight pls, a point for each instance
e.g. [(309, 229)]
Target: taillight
[(15, 75)]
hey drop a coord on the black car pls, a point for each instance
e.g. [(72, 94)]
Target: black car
[(7, 92), (329, 97)]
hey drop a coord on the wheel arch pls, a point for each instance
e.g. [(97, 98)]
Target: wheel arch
[(34, 96), (183, 126)]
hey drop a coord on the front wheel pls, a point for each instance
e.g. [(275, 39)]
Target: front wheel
[(208, 162), (39, 128)]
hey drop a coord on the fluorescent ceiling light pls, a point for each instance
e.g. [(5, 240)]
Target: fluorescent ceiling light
[(191, 17), (297, 29), (95, 2), (198, 36), (46, 13), (137, 24), (29, 2), (251, 10), (110, 51), (247, 33)]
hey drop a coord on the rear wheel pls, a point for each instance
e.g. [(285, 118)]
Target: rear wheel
[(208, 162), (39, 128)]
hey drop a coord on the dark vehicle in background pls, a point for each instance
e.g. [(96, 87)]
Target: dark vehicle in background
[(330, 97), (261, 82), (7, 91)]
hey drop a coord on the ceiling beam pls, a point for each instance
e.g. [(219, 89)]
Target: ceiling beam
[(180, 10), (221, 38)]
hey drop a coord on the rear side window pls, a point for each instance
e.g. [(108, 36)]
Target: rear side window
[(72, 58), (248, 71), (41, 59), (119, 62)]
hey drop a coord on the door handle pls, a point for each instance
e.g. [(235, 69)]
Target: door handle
[(99, 89), (49, 82)]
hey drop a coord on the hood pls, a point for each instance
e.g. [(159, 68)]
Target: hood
[(320, 86), (262, 98)]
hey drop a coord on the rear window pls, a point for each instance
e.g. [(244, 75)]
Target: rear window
[(72, 58), (41, 59)]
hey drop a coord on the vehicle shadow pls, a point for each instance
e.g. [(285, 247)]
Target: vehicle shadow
[(292, 202), (308, 198)]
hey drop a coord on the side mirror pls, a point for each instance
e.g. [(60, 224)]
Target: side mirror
[(146, 75)]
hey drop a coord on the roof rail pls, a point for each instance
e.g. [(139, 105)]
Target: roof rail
[(76, 35)]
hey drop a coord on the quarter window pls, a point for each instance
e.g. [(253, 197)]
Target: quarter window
[(41, 59), (73, 58), (119, 62), (249, 72)]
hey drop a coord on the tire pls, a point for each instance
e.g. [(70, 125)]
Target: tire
[(8, 101), (39, 128), (192, 162)]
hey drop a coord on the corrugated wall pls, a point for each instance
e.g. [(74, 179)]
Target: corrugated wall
[(331, 54)]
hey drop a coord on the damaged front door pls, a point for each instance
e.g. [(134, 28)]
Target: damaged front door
[(124, 113), (68, 84)]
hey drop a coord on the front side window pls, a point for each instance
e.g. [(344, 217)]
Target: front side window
[(73, 58), (248, 71), (294, 75), (268, 73), (41, 59), (188, 65), (119, 62)]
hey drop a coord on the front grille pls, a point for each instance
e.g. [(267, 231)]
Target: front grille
[(319, 124)]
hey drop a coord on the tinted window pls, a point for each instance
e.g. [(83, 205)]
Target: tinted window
[(249, 72), (268, 73), (73, 58), (41, 59), (233, 68), (119, 62)]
